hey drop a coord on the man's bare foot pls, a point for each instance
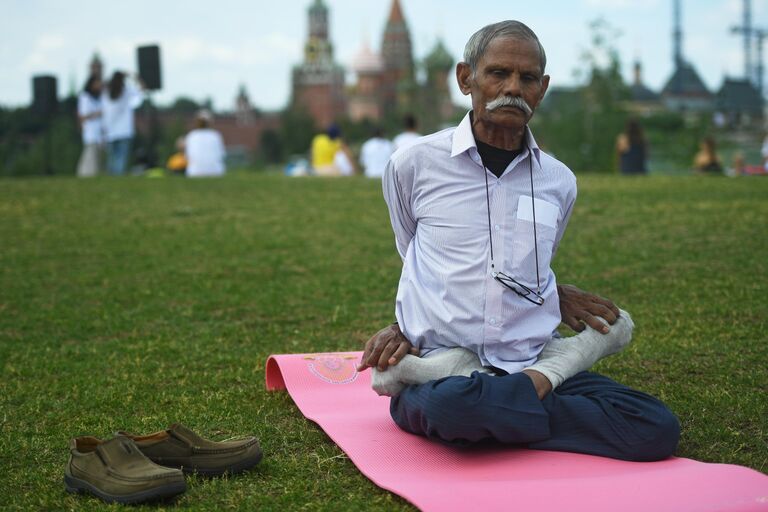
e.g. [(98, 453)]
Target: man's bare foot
[(540, 382), (420, 370)]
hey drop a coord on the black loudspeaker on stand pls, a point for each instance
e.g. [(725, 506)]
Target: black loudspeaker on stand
[(44, 99), (45, 103), (149, 72), (149, 66)]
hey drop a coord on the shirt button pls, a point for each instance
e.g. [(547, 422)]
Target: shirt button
[(492, 321), (497, 227)]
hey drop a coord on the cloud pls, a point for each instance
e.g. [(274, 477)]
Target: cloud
[(51, 42), (46, 51), (118, 47), (267, 48)]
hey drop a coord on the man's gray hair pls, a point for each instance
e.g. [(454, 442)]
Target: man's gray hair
[(480, 40)]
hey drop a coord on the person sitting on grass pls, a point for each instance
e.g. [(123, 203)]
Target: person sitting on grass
[(478, 212), (330, 155), (706, 160), (204, 148)]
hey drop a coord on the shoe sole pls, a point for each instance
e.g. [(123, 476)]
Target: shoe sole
[(243, 465), (76, 486)]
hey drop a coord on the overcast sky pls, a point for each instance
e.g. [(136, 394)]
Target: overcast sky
[(210, 48)]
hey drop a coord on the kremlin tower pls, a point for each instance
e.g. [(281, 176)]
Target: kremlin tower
[(318, 83)]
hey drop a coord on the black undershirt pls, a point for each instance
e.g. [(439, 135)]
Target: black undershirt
[(496, 159)]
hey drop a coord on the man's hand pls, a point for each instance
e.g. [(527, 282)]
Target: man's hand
[(386, 347), (578, 308)]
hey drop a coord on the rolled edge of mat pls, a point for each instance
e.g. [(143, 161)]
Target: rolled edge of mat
[(274, 376)]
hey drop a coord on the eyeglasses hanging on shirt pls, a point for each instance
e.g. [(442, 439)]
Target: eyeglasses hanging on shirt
[(506, 280)]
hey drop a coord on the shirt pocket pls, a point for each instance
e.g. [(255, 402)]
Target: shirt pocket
[(526, 241)]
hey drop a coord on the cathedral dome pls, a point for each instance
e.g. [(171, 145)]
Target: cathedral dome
[(318, 7), (367, 62), (439, 58)]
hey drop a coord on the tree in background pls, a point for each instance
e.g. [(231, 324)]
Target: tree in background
[(271, 148), (184, 105), (296, 132), (30, 144), (580, 125)]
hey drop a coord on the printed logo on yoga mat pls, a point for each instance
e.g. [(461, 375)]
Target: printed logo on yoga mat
[(333, 368)]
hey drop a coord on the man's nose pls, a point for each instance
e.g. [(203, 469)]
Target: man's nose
[(512, 85)]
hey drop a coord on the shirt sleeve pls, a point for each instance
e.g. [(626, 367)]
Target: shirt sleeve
[(570, 201), (399, 204), (82, 106), (135, 95)]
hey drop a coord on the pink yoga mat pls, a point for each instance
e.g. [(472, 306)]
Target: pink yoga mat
[(433, 477)]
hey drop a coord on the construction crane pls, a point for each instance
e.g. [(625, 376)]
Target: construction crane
[(747, 31), (760, 35)]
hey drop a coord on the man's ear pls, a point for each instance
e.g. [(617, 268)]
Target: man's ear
[(464, 77), (544, 87)]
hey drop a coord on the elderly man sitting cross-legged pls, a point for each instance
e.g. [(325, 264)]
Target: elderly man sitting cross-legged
[(478, 212)]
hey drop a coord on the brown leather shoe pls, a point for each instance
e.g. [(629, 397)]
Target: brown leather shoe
[(117, 471), (179, 447)]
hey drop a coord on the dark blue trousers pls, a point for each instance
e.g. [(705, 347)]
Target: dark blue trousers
[(588, 413)]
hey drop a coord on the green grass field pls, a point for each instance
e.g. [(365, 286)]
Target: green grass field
[(135, 303)]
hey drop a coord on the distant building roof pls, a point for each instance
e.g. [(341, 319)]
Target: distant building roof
[(739, 96), (685, 81), (640, 93), (556, 96)]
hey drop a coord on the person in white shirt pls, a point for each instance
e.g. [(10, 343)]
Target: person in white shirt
[(89, 116), (121, 99), (204, 148), (478, 212), (409, 136), (764, 152), (375, 153)]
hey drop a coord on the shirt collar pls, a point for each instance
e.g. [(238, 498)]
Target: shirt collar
[(464, 140)]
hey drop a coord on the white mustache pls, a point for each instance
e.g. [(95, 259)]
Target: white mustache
[(509, 101)]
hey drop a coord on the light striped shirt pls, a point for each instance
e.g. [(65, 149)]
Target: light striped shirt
[(447, 297)]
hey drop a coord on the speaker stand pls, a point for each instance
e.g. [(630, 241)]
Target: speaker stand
[(48, 149), (151, 145)]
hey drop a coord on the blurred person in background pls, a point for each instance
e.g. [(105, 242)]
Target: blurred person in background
[(375, 154), (204, 148), (631, 149), (330, 156), (706, 160), (409, 135), (89, 114), (121, 98)]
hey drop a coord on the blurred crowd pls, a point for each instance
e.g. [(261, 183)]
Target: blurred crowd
[(106, 115), (632, 155)]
